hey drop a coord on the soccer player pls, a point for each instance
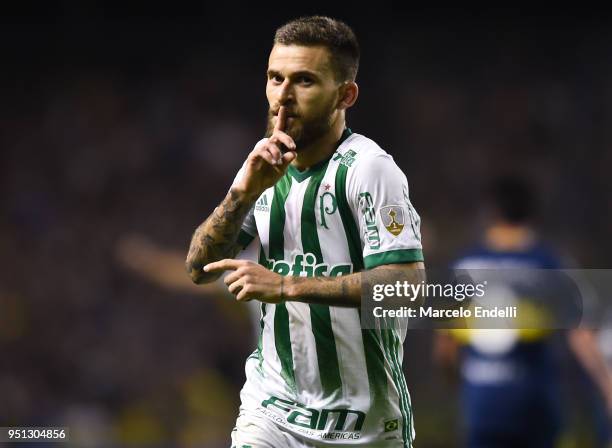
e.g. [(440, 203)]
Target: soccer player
[(510, 383), (326, 203)]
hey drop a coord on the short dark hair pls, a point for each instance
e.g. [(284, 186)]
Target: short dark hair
[(513, 198), (333, 34)]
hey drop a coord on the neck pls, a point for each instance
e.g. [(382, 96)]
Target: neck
[(509, 237), (320, 149)]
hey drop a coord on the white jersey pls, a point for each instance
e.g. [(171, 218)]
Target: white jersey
[(315, 371)]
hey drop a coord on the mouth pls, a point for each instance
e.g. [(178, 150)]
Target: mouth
[(288, 115)]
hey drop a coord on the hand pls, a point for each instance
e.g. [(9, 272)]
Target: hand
[(266, 164), (250, 280)]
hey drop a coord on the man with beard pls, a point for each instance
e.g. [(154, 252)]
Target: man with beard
[(326, 205)]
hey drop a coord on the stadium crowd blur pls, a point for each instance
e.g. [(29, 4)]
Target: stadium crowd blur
[(116, 129)]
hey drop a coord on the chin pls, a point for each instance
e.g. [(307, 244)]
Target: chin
[(295, 132)]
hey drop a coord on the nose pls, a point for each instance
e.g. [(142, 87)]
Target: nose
[(285, 93)]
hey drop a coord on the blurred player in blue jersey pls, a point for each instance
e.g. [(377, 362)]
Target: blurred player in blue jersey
[(510, 391)]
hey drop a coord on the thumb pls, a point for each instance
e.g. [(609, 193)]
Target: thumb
[(289, 157)]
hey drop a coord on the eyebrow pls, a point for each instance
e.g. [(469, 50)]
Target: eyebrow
[(271, 73)]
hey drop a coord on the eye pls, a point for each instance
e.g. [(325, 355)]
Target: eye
[(305, 80), (276, 79)]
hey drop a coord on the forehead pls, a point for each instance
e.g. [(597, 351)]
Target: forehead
[(295, 58)]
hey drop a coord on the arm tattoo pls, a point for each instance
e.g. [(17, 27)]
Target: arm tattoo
[(215, 238), (337, 291)]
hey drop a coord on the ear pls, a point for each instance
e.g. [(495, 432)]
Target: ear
[(349, 92)]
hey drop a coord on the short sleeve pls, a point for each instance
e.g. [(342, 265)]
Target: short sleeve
[(389, 225), (248, 231)]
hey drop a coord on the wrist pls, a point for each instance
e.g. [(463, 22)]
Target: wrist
[(291, 288), (243, 194)]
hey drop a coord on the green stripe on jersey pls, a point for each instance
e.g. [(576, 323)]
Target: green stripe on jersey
[(263, 262), (350, 226), (372, 348), (277, 218), (320, 318), (387, 337), (375, 365), (282, 337), (408, 407)]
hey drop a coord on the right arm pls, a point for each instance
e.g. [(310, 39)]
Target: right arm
[(216, 238), (584, 346)]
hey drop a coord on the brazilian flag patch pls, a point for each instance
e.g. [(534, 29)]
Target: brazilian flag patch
[(391, 425)]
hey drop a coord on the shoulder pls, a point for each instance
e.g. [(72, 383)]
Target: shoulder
[(363, 157), (474, 257), (547, 256), (538, 256), (362, 148)]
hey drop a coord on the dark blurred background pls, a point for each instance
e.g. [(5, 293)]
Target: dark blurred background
[(121, 129)]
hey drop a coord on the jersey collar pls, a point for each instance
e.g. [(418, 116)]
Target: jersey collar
[(301, 175)]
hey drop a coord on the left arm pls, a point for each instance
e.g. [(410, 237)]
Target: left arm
[(253, 281)]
